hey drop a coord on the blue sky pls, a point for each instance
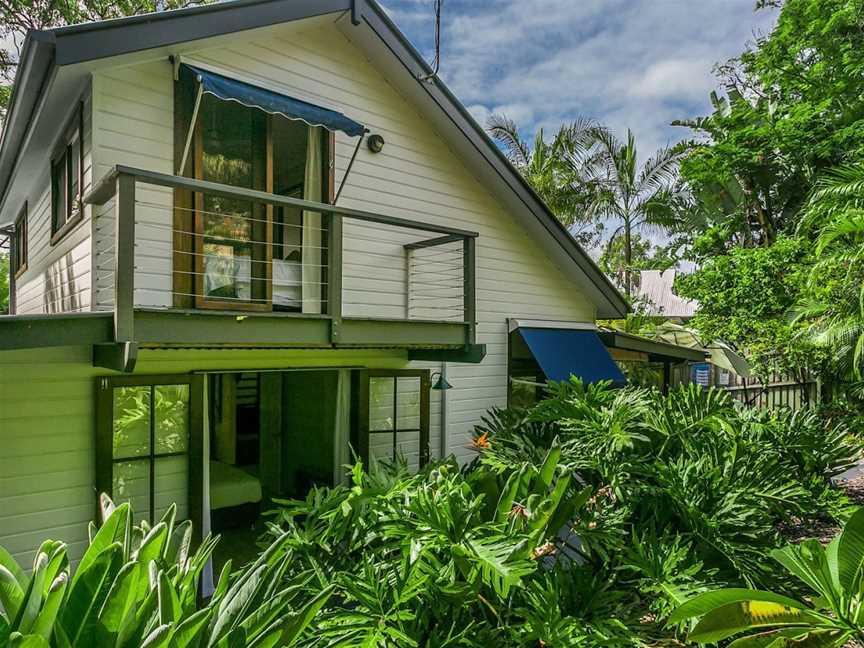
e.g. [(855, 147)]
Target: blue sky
[(627, 63)]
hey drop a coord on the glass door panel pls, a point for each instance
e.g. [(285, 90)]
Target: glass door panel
[(233, 233)]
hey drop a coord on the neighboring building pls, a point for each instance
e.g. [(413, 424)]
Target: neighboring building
[(655, 289), (246, 238)]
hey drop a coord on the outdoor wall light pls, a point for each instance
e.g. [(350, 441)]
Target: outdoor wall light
[(441, 384), (375, 143)]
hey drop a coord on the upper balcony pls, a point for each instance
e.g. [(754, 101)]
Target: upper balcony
[(185, 262)]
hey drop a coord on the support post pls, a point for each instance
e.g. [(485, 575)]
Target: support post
[(469, 281), (124, 258), (334, 277), (667, 377)]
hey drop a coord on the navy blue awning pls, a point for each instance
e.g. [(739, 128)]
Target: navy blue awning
[(273, 102), (565, 352)]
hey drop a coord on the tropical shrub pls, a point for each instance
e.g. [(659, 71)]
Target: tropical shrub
[(831, 616), (138, 585), (690, 490)]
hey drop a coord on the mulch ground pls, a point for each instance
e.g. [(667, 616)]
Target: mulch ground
[(823, 530)]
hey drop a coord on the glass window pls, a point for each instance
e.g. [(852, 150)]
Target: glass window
[(398, 421), (19, 251), (67, 178), (526, 382), (149, 446)]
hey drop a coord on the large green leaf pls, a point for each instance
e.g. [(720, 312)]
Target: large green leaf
[(11, 593), (794, 638), (113, 530), (232, 606), (153, 545), (121, 597), (850, 551), (88, 592), (704, 603), (32, 602), (728, 620), (44, 623), (18, 640), (187, 632), (7, 561)]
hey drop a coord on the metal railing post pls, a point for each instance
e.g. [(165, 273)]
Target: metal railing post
[(124, 258), (334, 276), (469, 280)]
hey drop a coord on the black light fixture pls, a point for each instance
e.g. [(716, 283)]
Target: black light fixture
[(375, 143), (441, 384)]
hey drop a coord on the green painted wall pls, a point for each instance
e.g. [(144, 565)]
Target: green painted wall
[(47, 429)]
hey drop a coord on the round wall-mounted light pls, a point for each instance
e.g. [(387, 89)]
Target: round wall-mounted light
[(375, 143)]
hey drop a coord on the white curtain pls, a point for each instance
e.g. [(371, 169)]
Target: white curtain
[(342, 428), (312, 239)]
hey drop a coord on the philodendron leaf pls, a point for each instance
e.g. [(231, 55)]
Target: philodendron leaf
[(297, 623), (47, 617), (728, 620), (704, 603)]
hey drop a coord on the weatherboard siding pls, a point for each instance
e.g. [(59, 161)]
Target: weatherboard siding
[(47, 430), (416, 176), (58, 277)]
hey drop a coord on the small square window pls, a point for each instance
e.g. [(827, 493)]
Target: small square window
[(67, 179), (19, 250)]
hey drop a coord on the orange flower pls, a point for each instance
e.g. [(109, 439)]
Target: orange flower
[(481, 442)]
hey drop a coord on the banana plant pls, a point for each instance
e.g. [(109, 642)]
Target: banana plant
[(833, 617), (138, 585)]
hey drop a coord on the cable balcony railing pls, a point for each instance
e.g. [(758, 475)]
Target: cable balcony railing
[(230, 249)]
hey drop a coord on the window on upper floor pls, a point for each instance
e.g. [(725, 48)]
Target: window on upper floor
[(19, 249), (67, 179)]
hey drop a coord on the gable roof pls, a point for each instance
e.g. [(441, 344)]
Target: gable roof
[(367, 26)]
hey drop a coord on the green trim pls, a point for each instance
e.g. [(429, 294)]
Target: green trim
[(401, 333), (62, 329), (472, 354)]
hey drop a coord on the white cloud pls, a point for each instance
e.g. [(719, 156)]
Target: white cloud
[(627, 63)]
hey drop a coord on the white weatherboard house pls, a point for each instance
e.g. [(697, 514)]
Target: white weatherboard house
[(246, 237)]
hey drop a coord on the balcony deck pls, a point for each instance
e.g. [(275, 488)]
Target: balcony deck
[(384, 281)]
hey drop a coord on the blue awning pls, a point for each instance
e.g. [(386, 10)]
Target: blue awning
[(565, 352), (273, 102)]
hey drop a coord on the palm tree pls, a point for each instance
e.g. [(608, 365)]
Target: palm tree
[(635, 198), (558, 170), (834, 299)]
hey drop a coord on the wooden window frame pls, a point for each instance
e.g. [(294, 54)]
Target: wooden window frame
[(62, 154), (19, 250), (195, 451), (362, 423), (188, 262)]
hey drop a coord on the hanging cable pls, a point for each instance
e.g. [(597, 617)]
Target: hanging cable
[(436, 62)]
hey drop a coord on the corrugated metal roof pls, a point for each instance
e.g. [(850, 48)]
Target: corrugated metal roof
[(655, 287)]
